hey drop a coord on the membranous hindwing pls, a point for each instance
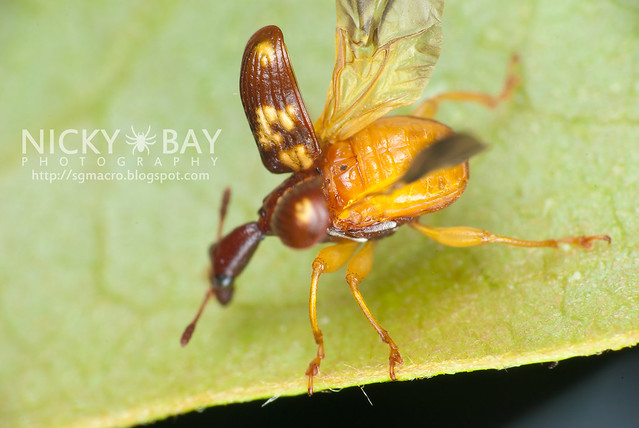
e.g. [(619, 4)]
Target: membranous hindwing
[(385, 51), (273, 105)]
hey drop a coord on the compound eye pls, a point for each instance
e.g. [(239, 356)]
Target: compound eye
[(223, 286), (301, 216)]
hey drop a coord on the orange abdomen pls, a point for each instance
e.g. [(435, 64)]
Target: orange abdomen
[(357, 169)]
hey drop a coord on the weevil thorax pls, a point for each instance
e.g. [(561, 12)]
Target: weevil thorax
[(300, 217)]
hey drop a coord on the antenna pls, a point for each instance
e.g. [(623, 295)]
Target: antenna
[(188, 331), (226, 198)]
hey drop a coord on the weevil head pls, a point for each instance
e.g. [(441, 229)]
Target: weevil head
[(300, 217), (229, 256)]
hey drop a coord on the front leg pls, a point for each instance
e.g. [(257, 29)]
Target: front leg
[(328, 260)]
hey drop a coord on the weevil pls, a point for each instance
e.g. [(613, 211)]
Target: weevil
[(356, 175)]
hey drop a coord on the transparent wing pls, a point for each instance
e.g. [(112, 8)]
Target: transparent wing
[(385, 53)]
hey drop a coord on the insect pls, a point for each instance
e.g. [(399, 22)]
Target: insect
[(356, 175), (140, 141)]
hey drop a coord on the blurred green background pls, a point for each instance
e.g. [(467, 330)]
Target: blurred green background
[(99, 278)]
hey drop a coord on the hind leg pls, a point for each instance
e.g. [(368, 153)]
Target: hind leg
[(462, 236), (428, 108)]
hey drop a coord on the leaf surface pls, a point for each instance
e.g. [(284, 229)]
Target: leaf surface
[(99, 278)]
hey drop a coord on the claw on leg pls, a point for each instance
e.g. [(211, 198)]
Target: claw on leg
[(312, 371), (585, 241), (394, 358), (314, 365)]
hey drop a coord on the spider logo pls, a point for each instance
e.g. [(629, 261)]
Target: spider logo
[(140, 141)]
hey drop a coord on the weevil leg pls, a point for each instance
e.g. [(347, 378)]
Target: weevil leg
[(469, 236), (328, 260), (358, 268), (428, 108)]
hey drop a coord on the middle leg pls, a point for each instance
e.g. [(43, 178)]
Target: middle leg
[(358, 268)]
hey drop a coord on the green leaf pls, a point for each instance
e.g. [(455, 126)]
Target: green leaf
[(98, 279)]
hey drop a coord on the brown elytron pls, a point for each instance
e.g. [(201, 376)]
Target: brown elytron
[(357, 175)]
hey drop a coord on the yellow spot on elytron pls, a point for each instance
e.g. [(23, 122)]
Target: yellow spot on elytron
[(291, 110), (273, 116), (270, 113), (296, 158), (285, 120), (265, 52), (265, 135), (286, 159), (304, 211)]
